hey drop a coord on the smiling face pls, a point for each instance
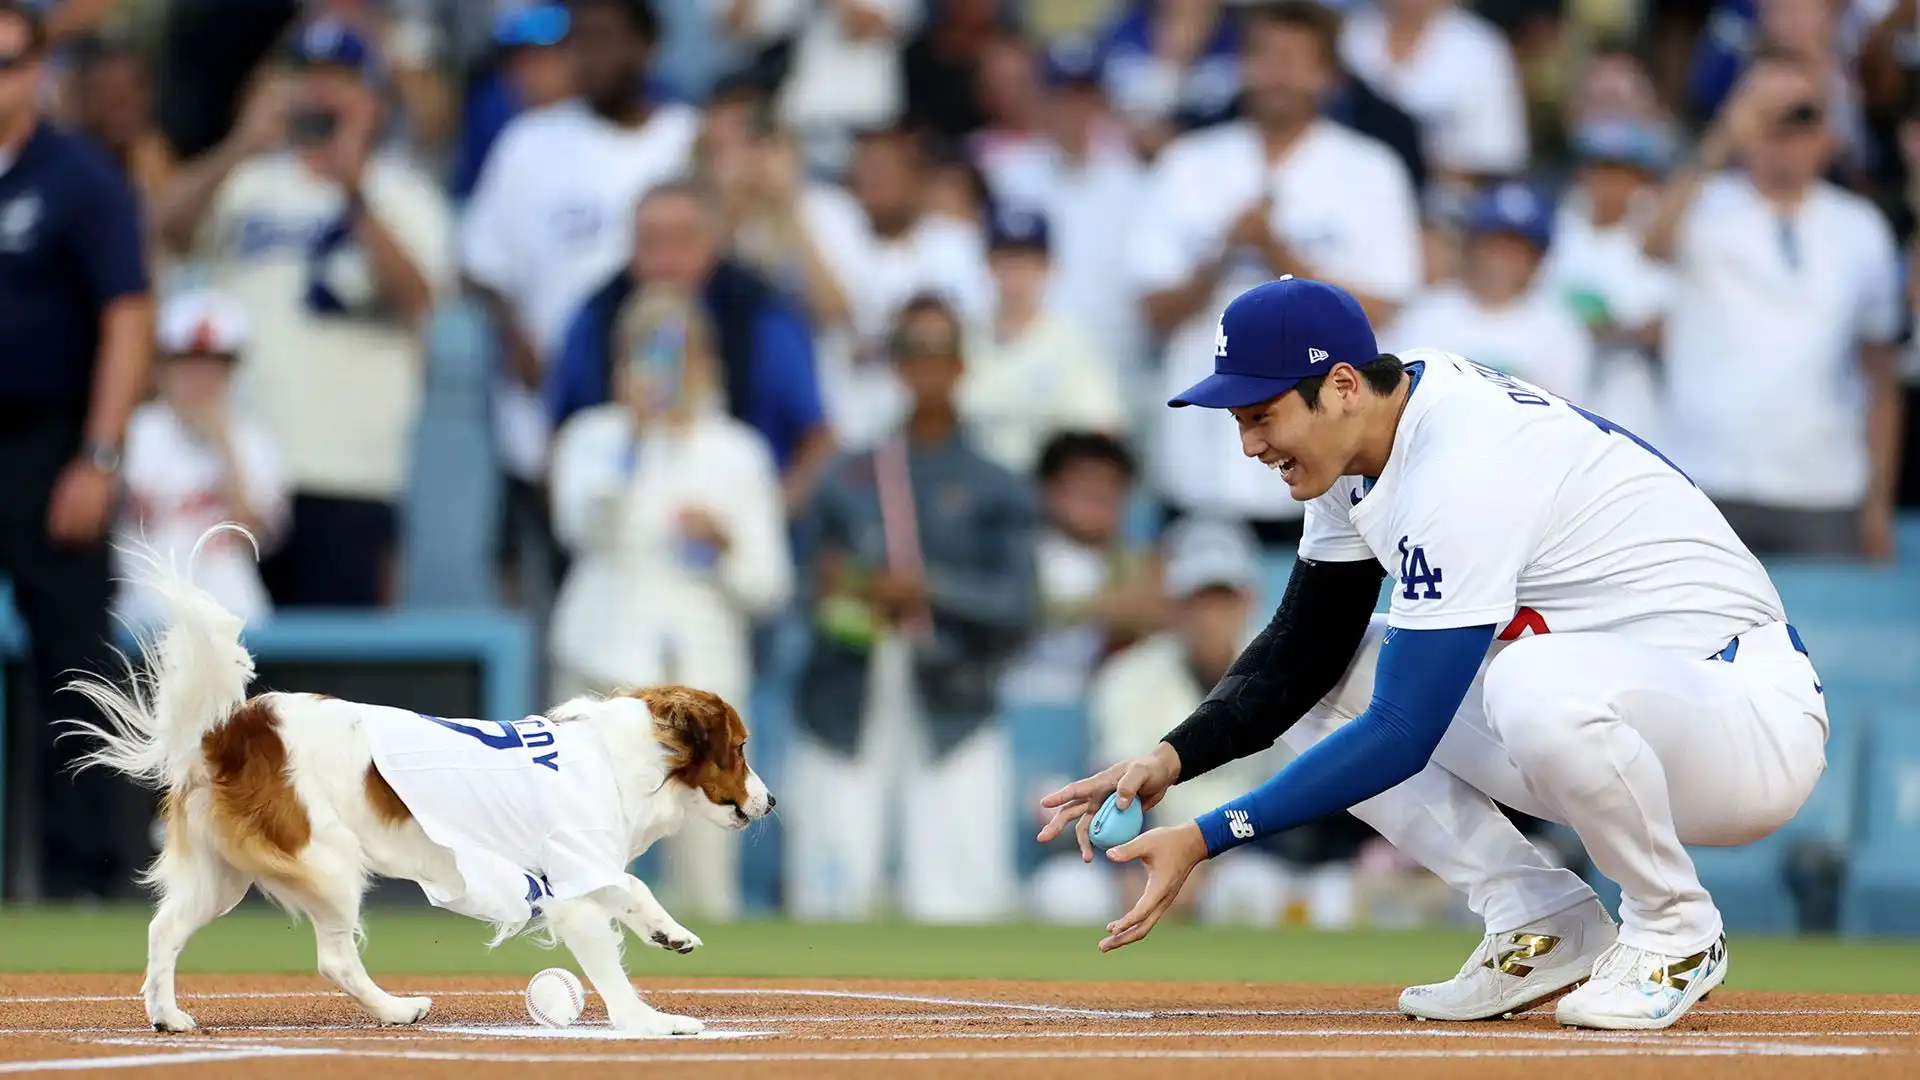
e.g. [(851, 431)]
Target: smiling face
[(706, 744), (1310, 447)]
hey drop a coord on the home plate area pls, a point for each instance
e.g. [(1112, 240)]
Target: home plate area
[(299, 1028)]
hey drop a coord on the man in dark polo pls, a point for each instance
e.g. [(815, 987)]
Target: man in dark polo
[(76, 337)]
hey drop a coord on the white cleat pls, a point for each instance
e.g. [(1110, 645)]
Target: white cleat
[(1513, 972), (1636, 990)]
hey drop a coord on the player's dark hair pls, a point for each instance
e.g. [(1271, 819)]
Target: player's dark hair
[(1071, 447), (1381, 374), (637, 14), (36, 26), (1312, 16)]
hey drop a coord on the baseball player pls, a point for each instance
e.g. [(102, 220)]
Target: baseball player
[(1574, 631)]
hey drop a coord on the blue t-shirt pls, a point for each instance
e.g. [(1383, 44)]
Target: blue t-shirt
[(70, 244)]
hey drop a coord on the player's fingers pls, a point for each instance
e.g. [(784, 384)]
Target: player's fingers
[(1079, 790), (1129, 786), (1062, 817), (1134, 933), (1083, 832), (1128, 851)]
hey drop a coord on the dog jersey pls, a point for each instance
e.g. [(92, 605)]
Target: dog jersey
[(529, 808), (1502, 503)]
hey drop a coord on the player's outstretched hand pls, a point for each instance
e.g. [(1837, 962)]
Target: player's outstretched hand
[(1145, 778), (1169, 854)]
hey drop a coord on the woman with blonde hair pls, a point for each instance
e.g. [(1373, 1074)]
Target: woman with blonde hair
[(672, 511)]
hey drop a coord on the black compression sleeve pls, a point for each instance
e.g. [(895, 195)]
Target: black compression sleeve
[(1294, 662)]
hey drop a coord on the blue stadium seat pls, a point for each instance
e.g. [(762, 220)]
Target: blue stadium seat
[(1049, 743), (450, 520), (1882, 894)]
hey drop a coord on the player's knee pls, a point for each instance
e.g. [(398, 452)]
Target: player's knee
[(1532, 696)]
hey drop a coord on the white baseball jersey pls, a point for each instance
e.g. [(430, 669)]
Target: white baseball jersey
[(529, 808), (1504, 504)]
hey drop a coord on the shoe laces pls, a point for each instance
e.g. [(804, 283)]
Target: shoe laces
[(1620, 965)]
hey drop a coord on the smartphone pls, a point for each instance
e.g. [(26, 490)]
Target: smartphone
[(310, 126), (661, 358)]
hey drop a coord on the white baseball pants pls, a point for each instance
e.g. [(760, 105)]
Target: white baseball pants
[(1637, 749), (950, 815)]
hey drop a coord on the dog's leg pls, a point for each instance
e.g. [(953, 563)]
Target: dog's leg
[(595, 942), (195, 889), (645, 916), (331, 898)]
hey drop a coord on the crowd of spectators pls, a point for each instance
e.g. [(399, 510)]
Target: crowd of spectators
[(853, 319)]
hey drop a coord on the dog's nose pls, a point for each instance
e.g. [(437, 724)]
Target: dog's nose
[(771, 801)]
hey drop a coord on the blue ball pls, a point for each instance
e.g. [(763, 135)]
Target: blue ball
[(1113, 826)]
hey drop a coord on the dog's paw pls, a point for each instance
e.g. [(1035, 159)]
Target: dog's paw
[(658, 1024), (683, 1025), (675, 938), (407, 1010), (172, 1019)]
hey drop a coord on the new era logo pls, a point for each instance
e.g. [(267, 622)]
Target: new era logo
[(1316, 356), (1238, 824)]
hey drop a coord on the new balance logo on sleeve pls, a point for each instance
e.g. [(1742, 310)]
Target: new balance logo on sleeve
[(1238, 824)]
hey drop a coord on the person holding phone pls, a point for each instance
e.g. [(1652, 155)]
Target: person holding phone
[(671, 511), (337, 250)]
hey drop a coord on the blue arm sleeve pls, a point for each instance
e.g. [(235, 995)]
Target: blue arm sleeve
[(1422, 678), (788, 407), (577, 378)]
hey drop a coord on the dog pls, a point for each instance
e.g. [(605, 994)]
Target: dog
[(307, 797)]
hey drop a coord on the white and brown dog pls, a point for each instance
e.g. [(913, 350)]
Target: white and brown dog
[(283, 791)]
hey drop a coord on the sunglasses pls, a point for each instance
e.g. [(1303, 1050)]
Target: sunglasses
[(926, 348)]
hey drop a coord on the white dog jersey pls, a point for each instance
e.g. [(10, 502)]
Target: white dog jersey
[(529, 808), (1504, 504)]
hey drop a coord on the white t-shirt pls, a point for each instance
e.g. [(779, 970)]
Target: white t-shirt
[(1535, 337), (1503, 504), (1017, 394), (175, 492), (1461, 83), (551, 221), (1606, 270), (1765, 396), (1341, 201), (339, 392), (529, 808)]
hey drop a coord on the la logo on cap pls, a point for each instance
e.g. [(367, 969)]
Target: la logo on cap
[(1220, 338), (1316, 356)]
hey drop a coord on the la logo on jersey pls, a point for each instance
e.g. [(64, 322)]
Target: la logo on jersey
[(1416, 574), (1316, 356), (1238, 824)]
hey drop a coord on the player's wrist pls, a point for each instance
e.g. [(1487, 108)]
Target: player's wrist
[(1225, 828), (1168, 760)]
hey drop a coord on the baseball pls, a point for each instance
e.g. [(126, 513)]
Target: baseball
[(555, 998)]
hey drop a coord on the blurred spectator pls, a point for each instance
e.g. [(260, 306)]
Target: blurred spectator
[(550, 222), (909, 250), (1248, 201), (945, 65), (672, 512), (338, 251), (1098, 592), (1054, 21), (529, 69), (1212, 579), (1908, 140), (764, 348), (404, 36), (193, 462), (1455, 73), (112, 101), (919, 561), (1825, 35), (1614, 86), (1783, 393), (1171, 66), (1354, 102), (1032, 372), (78, 323), (836, 64), (1598, 268), (957, 191), (210, 51), (1495, 315)]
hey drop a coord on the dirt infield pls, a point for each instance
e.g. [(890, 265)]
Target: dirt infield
[(300, 1029)]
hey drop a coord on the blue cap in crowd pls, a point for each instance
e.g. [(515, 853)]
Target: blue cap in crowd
[(1512, 207), (1073, 62), (1277, 335), (1624, 142), (532, 25), (332, 43), (1017, 228)]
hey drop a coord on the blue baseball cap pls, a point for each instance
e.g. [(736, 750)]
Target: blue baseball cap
[(1018, 228), (1624, 142), (535, 25), (332, 43), (1277, 335), (1073, 62), (1512, 207)]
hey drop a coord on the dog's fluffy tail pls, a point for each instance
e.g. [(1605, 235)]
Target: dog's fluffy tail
[(193, 673)]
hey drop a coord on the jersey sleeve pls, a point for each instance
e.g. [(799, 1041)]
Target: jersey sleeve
[(1466, 526), (1328, 534), (1878, 315)]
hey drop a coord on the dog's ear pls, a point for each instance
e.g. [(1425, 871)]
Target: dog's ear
[(701, 733)]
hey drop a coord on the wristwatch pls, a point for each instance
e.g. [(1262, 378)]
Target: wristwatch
[(100, 455)]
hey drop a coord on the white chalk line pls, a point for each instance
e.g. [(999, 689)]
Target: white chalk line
[(146, 1061)]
